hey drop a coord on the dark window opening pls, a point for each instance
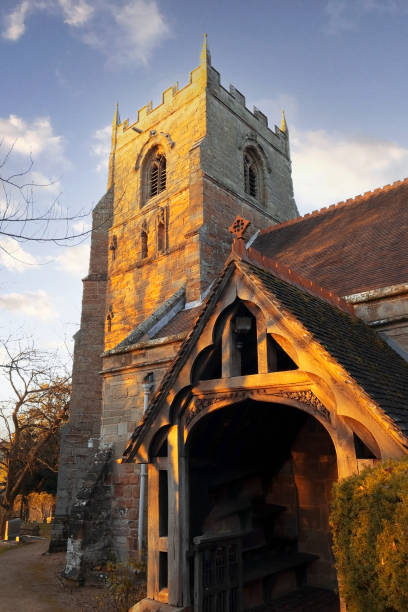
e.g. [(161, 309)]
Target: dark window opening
[(245, 337), (362, 450), (113, 246), (278, 359), (157, 182), (251, 176), (143, 238), (208, 364), (109, 318), (163, 571), (163, 503)]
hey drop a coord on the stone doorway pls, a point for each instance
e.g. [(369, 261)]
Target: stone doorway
[(260, 477)]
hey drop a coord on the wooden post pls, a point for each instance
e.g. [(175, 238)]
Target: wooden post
[(185, 529), (262, 344), (153, 549), (174, 576)]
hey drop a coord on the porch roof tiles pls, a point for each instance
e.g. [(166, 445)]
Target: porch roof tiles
[(368, 359)]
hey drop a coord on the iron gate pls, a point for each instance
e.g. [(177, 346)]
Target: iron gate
[(217, 573)]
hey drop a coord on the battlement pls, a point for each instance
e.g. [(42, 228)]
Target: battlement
[(204, 77), (235, 100)]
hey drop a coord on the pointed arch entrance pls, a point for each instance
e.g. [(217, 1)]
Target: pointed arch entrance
[(260, 478)]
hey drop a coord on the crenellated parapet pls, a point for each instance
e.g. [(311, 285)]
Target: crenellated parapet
[(204, 78)]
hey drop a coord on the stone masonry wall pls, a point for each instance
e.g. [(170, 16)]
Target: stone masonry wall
[(123, 407), (231, 128), (86, 401)]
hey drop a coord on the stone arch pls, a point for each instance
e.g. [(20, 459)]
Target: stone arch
[(157, 146), (253, 174)]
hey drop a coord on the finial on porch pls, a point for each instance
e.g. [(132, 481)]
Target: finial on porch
[(238, 229)]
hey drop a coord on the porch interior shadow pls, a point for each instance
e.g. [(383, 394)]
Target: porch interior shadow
[(254, 471)]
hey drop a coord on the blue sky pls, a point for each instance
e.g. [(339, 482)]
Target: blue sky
[(338, 67)]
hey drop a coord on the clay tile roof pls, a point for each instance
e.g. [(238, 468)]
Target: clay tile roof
[(354, 246)]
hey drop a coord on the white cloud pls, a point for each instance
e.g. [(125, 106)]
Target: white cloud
[(76, 12), (346, 15), (30, 138), (81, 227), (330, 167), (50, 185), (14, 23), (126, 31), (100, 147), (141, 27), (74, 260), (13, 257), (30, 303)]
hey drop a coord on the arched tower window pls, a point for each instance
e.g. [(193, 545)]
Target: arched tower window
[(143, 240), (252, 175), (157, 175)]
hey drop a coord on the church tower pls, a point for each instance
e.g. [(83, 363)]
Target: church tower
[(180, 174), (178, 177)]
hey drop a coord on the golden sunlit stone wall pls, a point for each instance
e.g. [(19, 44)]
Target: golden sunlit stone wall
[(137, 285)]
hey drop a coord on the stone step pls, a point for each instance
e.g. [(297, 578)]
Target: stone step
[(256, 541), (256, 569), (306, 599)]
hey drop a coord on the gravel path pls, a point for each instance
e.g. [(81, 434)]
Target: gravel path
[(31, 582)]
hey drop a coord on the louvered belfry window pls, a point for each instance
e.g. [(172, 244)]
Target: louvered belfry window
[(251, 176), (157, 176)]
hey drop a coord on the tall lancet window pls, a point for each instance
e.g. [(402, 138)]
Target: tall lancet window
[(157, 175), (252, 175)]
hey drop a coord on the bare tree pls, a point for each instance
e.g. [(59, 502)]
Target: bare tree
[(38, 407), (21, 216)]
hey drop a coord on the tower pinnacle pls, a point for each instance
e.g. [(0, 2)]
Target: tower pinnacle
[(283, 126), (205, 57), (116, 117), (115, 123)]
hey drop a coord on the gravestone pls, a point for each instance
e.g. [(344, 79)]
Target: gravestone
[(13, 529)]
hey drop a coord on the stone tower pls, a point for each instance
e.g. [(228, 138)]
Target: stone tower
[(178, 177)]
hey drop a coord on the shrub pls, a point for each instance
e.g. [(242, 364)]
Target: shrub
[(369, 522), (125, 586)]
